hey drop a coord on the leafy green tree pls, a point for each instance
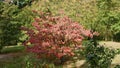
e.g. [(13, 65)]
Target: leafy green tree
[(22, 3), (107, 18), (9, 26), (11, 19), (83, 11), (1, 6)]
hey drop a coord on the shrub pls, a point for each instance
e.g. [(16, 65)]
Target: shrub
[(11, 19), (98, 56), (21, 3), (117, 66), (54, 37), (9, 26)]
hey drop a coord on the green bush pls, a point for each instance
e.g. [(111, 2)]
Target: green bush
[(21, 3), (11, 19), (9, 27), (98, 56), (117, 66), (108, 19), (10, 31)]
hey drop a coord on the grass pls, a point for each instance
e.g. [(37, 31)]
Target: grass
[(15, 62), (12, 49), (17, 58), (12, 61), (24, 61)]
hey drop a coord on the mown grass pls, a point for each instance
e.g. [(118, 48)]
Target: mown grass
[(13, 49)]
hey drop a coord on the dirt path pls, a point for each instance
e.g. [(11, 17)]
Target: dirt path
[(8, 56), (110, 44)]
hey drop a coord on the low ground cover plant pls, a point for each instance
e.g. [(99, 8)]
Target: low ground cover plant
[(98, 56)]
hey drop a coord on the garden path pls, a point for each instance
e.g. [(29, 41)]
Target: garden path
[(4, 57)]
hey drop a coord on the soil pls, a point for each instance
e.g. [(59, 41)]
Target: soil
[(8, 56)]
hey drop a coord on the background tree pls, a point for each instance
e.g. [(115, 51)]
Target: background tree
[(11, 19), (107, 18)]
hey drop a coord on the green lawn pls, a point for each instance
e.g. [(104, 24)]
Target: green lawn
[(12, 49)]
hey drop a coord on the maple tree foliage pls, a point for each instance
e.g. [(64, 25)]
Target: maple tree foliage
[(54, 36)]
